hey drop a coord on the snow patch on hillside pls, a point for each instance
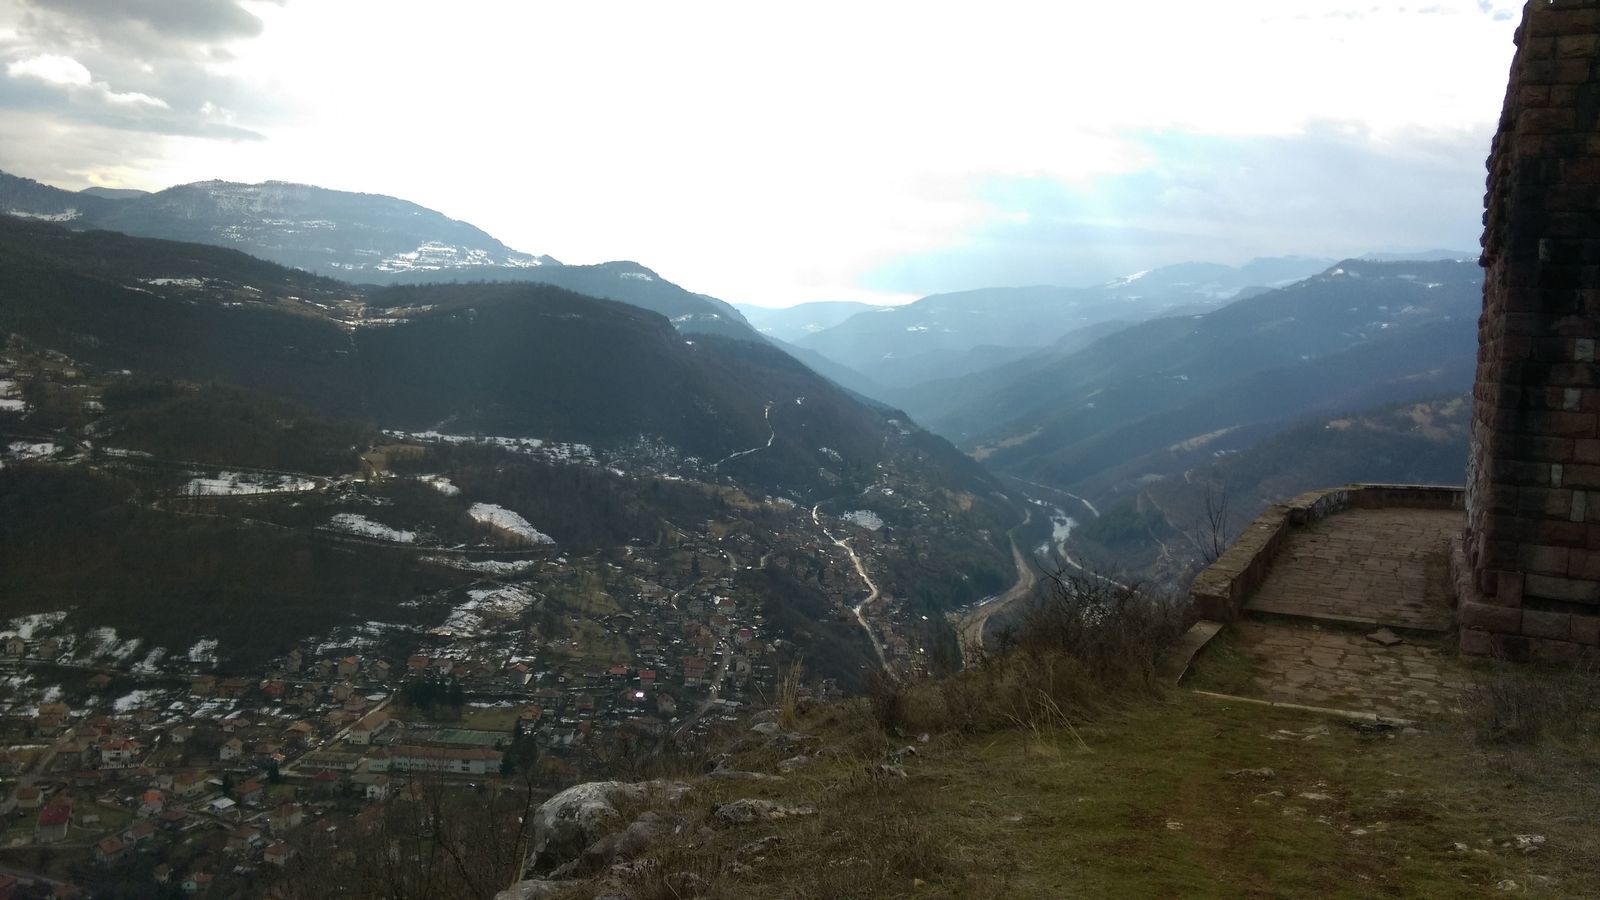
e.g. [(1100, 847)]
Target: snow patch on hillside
[(238, 484), (486, 604), (504, 519), (441, 484), (355, 523), (864, 518)]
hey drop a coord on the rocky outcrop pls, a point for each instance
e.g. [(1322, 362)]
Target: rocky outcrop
[(569, 823)]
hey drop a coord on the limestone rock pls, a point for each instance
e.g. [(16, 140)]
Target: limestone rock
[(566, 824), (530, 890), (744, 812)]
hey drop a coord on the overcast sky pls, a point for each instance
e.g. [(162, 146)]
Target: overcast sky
[(779, 152)]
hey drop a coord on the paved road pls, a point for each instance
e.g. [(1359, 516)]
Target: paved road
[(872, 589), (970, 628)]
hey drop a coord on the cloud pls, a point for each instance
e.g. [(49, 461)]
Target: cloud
[(49, 67), (1335, 190), (136, 67)]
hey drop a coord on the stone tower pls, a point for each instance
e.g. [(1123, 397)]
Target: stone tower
[(1529, 574)]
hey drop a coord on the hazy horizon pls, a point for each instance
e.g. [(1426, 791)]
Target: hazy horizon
[(784, 154)]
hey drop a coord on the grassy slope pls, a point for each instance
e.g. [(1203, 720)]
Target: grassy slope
[(1146, 807)]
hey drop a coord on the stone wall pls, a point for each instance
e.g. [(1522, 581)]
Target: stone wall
[(1219, 592), (1532, 543)]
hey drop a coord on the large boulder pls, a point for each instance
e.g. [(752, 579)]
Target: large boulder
[(568, 823)]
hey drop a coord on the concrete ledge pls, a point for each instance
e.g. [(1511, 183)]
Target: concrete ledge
[(1220, 590)]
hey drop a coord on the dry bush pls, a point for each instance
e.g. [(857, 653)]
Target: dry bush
[(1088, 643), (1529, 705)]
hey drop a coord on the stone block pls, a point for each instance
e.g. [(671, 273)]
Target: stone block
[(1552, 587), (1586, 451), (1584, 564), (1580, 476), (1576, 46), (1497, 619), (1475, 642), (1508, 588), (1586, 630), (1543, 560), (1554, 626), (1553, 651), (1540, 448), (1548, 120)]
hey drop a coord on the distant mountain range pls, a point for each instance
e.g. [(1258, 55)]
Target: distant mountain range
[(947, 334), (361, 238), (791, 323), (1155, 398)]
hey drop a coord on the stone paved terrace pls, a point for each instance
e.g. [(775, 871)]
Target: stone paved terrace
[(1361, 567), (1341, 669)]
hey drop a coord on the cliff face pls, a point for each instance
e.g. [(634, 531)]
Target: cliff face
[(1533, 535)]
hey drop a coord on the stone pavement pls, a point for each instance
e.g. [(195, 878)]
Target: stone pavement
[(1341, 669), (1365, 567)]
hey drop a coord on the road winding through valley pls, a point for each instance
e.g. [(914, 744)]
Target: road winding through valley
[(872, 587)]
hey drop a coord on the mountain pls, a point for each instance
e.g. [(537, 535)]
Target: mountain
[(900, 346), (794, 322), (1151, 399), (1160, 526), (142, 377), (363, 238), (106, 193)]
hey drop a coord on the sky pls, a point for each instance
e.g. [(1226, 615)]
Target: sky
[(779, 152)]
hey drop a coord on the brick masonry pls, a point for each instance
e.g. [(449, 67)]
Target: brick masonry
[(1528, 566)]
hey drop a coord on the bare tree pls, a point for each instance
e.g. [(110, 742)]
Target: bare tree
[(1211, 536)]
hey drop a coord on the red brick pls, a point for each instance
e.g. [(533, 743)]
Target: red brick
[(1498, 619), (1555, 588), (1567, 534), (1586, 451)]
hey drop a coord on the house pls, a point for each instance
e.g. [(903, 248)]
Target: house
[(348, 666), (278, 854), (51, 825), (417, 663), (231, 749), (29, 798), (138, 834), (365, 730), (286, 817), (245, 837), (117, 754), (50, 716), (189, 784), (181, 734), (14, 646), (197, 883), (294, 660), (161, 873), (235, 687), (173, 818), (249, 792), (224, 806), (203, 685), (151, 803), (470, 761), (378, 788)]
